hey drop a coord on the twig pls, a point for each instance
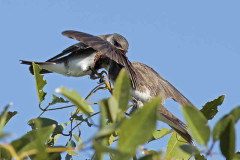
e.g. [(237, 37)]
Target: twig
[(210, 149), (86, 118), (89, 95)]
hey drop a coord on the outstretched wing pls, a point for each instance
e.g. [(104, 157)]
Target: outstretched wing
[(106, 48), (74, 48), (158, 85)]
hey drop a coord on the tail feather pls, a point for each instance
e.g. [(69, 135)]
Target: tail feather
[(26, 62), (43, 71), (175, 123), (184, 135)]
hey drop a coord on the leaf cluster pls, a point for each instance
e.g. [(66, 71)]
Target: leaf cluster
[(119, 135)]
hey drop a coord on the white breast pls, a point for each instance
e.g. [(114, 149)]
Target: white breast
[(142, 96)]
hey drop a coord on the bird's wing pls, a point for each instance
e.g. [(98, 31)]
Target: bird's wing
[(74, 48), (106, 49), (158, 85)]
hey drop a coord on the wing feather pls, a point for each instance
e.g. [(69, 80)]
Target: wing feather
[(73, 48), (158, 85)]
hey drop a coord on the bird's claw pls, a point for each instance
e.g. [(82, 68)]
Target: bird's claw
[(100, 81), (96, 75)]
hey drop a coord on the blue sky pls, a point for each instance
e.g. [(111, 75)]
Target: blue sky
[(193, 44)]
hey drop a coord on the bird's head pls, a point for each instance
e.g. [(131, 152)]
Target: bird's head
[(117, 40)]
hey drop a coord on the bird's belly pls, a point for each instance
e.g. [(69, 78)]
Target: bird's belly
[(76, 66), (141, 96), (55, 67), (80, 67)]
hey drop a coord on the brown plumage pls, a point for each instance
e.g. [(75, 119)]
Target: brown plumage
[(151, 81), (151, 84)]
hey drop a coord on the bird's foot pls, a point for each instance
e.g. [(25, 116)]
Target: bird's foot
[(133, 109), (96, 75), (136, 104)]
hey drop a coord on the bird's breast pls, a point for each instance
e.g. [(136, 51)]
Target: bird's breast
[(141, 96)]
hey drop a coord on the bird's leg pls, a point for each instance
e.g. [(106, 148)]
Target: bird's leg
[(101, 76), (93, 74), (136, 104), (96, 75), (133, 109)]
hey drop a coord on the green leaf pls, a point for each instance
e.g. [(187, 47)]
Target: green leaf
[(199, 157), (115, 153), (197, 124), (107, 130), (76, 99), (34, 139), (40, 82), (2, 135), (173, 148), (190, 149), (104, 112), (225, 132), (236, 114), (101, 140), (5, 116), (110, 109), (236, 156), (4, 154), (227, 140), (45, 122), (222, 123), (138, 129), (70, 154), (78, 139), (220, 127), (80, 118), (57, 100), (71, 144), (113, 109), (121, 90), (210, 108), (56, 134), (55, 156), (10, 115), (152, 155), (41, 122), (111, 139), (157, 134)]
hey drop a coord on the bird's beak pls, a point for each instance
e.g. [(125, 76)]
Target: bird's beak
[(122, 50)]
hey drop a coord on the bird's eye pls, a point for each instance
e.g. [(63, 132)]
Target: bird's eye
[(117, 44)]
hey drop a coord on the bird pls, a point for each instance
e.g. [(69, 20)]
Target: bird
[(80, 59), (109, 52), (150, 84)]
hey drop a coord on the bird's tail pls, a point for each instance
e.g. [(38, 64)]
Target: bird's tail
[(26, 62), (175, 123), (43, 71)]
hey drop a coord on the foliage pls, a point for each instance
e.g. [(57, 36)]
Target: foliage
[(119, 135), (197, 124)]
